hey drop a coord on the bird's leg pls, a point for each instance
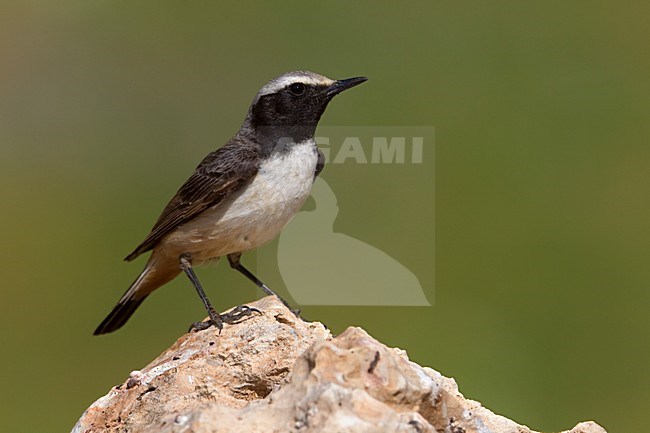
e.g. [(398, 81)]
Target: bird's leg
[(234, 260), (215, 319)]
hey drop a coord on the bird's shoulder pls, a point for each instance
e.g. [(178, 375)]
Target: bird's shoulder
[(320, 162)]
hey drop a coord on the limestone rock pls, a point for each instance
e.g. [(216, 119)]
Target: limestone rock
[(276, 373)]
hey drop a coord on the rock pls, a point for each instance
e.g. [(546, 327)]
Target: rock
[(273, 372)]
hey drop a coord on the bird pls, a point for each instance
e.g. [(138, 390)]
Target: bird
[(240, 196)]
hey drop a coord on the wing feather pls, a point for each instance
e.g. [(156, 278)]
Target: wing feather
[(220, 174)]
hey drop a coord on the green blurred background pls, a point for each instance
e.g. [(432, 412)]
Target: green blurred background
[(542, 173)]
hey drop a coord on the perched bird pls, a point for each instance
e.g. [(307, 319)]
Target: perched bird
[(240, 196)]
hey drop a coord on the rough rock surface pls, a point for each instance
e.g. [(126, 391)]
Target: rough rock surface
[(275, 373)]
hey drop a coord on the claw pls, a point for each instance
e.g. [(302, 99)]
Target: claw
[(238, 313), (233, 316), (201, 326)]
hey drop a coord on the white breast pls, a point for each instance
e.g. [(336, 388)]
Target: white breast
[(258, 213)]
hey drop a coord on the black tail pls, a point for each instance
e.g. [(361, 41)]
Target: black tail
[(120, 314)]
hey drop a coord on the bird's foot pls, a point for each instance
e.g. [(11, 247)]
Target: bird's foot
[(238, 313), (233, 316), (200, 326)]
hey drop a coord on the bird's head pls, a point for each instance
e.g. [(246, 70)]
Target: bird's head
[(291, 105)]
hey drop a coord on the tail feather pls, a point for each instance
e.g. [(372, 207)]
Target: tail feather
[(158, 271), (120, 314)]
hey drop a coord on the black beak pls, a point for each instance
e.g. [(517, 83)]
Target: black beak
[(341, 85)]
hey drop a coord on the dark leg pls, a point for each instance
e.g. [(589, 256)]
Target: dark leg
[(234, 260), (215, 319), (186, 266)]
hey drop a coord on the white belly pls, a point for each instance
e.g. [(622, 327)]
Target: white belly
[(257, 214)]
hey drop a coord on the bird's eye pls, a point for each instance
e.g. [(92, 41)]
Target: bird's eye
[(297, 89)]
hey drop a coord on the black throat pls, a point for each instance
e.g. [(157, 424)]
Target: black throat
[(279, 118)]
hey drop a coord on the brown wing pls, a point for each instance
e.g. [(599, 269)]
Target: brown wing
[(219, 174)]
